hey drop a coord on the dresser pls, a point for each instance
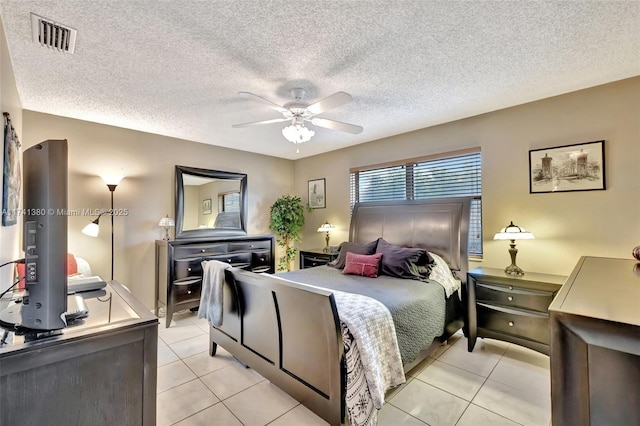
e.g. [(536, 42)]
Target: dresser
[(315, 257), (595, 345), (508, 308), (179, 266), (100, 370)]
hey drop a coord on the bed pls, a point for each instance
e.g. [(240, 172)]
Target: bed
[(287, 327)]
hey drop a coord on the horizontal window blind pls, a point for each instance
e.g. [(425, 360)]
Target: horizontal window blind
[(453, 176), (229, 202)]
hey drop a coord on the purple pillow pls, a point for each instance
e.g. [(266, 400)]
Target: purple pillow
[(346, 247), (365, 265), (404, 262)]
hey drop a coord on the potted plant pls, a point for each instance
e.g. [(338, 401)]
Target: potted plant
[(287, 220)]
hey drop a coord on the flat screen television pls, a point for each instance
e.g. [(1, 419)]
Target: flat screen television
[(44, 239)]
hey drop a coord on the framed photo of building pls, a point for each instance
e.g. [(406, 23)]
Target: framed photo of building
[(316, 194), (578, 167)]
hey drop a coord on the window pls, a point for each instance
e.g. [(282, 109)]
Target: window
[(229, 202), (449, 175)]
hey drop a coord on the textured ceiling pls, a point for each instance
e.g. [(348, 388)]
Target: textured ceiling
[(174, 67)]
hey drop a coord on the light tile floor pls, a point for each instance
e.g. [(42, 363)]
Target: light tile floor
[(497, 384)]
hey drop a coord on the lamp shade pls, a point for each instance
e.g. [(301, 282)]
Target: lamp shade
[(167, 222), (92, 229), (326, 227), (513, 232), (112, 179)]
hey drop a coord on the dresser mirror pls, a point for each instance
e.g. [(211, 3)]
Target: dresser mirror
[(210, 203)]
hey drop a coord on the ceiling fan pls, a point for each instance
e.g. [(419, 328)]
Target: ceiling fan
[(298, 111)]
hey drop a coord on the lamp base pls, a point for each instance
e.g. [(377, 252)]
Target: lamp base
[(326, 249), (514, 270)]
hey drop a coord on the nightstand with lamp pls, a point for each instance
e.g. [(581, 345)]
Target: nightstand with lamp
[(507, 304), (317, 257)]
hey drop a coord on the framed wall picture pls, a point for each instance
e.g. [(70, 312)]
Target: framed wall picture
[(317, 199), (206, 206), (578, 167), (11, 174)]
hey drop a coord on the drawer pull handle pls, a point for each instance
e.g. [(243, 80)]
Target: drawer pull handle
[(252, 246), (510, 323), (202, 251), (510, 299), (510, 287), (189, 269), (229, 260), (262, 259), (188, 291)]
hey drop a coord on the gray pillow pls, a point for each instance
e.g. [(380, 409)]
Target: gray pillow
[(404, 262), (347, 247)]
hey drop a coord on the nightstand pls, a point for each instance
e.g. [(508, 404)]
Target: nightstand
[(508, 308), (315, 257)]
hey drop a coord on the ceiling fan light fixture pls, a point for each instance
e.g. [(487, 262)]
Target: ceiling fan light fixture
[(297, 133)]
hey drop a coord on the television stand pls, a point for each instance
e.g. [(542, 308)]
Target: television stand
[(100, 370)]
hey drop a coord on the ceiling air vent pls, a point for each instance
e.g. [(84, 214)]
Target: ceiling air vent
[(52, 34)]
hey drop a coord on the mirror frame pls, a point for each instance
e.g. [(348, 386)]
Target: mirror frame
[(179, 203)]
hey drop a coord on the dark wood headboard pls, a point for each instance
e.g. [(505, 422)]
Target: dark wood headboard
[(440, 225)]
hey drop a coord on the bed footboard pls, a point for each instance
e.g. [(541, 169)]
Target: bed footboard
[(288, 333)]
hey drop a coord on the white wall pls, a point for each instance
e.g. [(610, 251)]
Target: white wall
[(566, 225), (147, 161), (9, 102)]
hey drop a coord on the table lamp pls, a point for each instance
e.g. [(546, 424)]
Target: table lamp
[(513, 233), (166, 223), (326, 227)]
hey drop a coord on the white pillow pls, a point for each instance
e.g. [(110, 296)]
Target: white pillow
[(84, 270), (441, 273)]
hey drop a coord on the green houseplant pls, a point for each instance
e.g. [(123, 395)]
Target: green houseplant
[(287, 220)]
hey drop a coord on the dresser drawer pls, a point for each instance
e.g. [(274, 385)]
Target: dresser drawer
[(189, 267), (200, 249), (250, 245), (186, 290), (516, 323), (239, 260), (261, 260), (535, 300)]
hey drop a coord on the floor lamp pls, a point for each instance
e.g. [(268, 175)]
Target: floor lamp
[(93, 228)]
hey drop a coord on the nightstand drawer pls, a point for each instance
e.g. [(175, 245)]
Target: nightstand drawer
[(526, 325), (186, 290), (514, 296), (312, 261)]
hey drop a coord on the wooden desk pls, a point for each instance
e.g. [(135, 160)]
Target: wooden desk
[(99, 372)]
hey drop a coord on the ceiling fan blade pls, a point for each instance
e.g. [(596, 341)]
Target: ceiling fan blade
[(332, 101), (257, 123), (337, 125), (261, 99)]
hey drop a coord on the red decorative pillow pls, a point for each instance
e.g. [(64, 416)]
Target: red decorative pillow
[(366, 265)]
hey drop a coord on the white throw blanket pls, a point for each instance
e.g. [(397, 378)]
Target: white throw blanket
[(373, 350), (211, 294)]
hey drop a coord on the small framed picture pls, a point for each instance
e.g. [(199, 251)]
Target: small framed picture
[(317, 198), (578, 167), (206, 206)]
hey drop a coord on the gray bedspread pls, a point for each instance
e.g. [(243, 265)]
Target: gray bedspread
[(417, 308)]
